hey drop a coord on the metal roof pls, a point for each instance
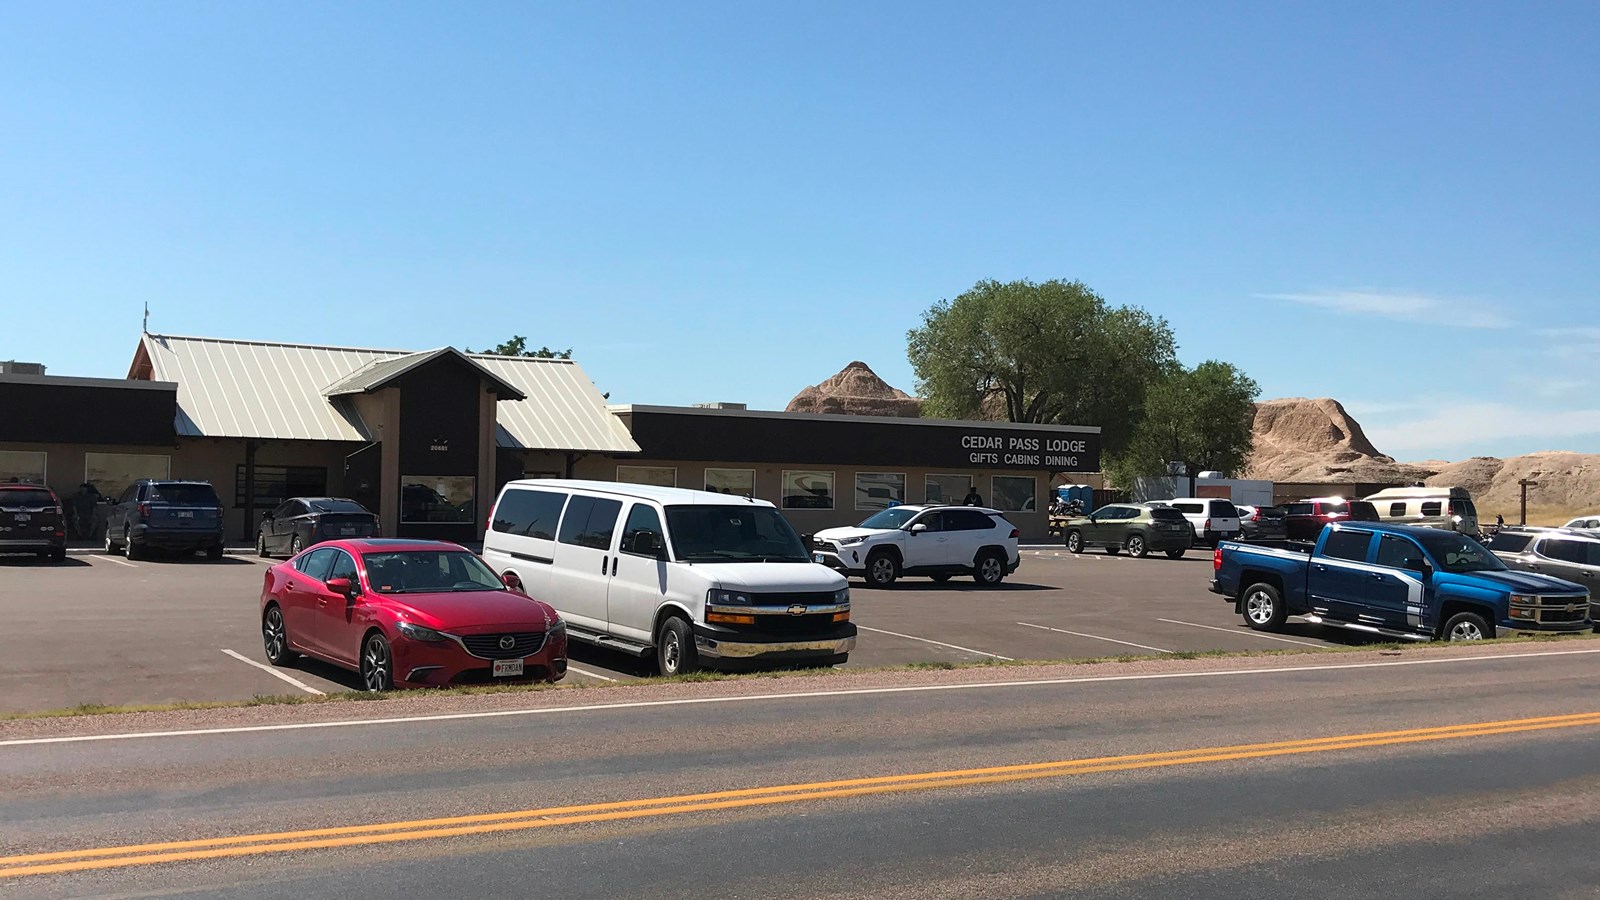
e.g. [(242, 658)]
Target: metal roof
[(277, 391), (380, 372)]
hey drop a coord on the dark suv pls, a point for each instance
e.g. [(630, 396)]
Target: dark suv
[(1134, 527), (1304, 519), (182, 516), (31, 521)]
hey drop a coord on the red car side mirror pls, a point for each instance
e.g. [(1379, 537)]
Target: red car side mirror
[(342, 586), (511, 581)]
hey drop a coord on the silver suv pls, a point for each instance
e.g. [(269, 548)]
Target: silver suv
[(1569, 555)]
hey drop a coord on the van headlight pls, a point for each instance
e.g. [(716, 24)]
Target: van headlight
[(842, 595), (719, 597), (420, 633)]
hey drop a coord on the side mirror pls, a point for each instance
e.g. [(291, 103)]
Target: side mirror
[(344, 586), (1419, 566), (919, 528), (266, 516), (647, 543), (511, 581)]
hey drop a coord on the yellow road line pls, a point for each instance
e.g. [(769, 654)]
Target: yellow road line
[(283, 842)]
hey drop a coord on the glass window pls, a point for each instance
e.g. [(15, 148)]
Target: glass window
[(946, 488), (531, 513), (756, 534), (1347, 544), (894, 517), (1510, 542), (1013, 493), (966, 520), (1460, 507), (344, 566), (1397, 552), (429, 572), (275, 484), (12, 497), (1165, 514), (315, 564), (1563, 551), (1397, 510), (934, 520), (111, 473), (1333, 507), (1362, 511), (438, 498), (1458, 554), (737, 482), (336, 505), (1299, 509), (1191, 508), (590, 522), (879, 490), (660, 476), (184, 494), (1593, 557), (807, 489), (1223, 509), (1432, 508), (25, 466), (642, 517)]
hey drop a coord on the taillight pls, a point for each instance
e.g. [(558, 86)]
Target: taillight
[(144, 509), (1015, 533), (1216, 558), (1207, 526)]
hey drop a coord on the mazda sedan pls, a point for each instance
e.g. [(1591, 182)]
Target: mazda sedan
[(408, 614)]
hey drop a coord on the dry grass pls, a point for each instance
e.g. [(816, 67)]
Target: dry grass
[(1551, 516)]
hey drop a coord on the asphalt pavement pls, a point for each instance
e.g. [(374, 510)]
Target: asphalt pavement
[(1441, 771)]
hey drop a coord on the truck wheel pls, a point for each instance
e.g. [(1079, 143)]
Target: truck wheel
[(1075, 542), (675, 653), (1263, 607), (882, 569), (1136, 547), (1467, 627)]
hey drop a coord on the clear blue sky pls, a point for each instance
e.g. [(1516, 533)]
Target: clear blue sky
[(1397, 205)]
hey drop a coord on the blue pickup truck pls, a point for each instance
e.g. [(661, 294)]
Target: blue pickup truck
[(1400, 581)]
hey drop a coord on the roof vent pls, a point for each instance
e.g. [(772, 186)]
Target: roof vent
[(12, 367)]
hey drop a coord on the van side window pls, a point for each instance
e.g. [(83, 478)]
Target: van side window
[(1397, 510), (1433, 508), (531, 513), (1397, 552), (1347, 544), (643, 517), (590, 522)]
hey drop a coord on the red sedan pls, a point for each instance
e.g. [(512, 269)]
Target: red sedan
[(408, 614)]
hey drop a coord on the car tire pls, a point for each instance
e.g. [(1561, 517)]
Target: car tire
[(261, 545), (882, 568), (111, 543), (294, 545), (377, 663), (1136, 546), (129, 549), (675, 651), (990, 569), (275, 637), (1263, 608), (58, 555), (214, 552), (1466, 626), (1112, 550), (1176, 554), (1074, 542), (940, 579)]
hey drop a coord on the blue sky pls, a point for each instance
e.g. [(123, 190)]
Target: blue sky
[(1397, 205)]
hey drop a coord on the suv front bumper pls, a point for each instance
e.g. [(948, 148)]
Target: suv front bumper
[(837, 562)]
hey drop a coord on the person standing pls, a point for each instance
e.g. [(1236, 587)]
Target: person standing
[(973, 498)]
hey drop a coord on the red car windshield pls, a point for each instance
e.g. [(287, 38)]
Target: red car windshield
[(429, 572)]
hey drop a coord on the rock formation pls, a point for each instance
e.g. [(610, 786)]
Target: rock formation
[(856, 391), (1316, 440)]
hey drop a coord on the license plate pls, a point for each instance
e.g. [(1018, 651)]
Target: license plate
[(186, 514), (24, 517), (817, 557), (347, 531), (507, 668)]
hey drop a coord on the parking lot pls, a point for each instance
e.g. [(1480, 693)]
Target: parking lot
[(102, 630)]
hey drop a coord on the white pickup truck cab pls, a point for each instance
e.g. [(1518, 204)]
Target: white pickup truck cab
[(698, 579)]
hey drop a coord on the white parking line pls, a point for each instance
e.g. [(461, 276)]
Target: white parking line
[(274, 673), (573, 668), (120, 562), (1247, 632), (1093, 636), (912, 637)]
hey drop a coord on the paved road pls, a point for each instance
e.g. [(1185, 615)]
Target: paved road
[(1220, 782), (102, 630)]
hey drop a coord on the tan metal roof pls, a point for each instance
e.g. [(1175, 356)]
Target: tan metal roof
[(277, 391), (381, 373)]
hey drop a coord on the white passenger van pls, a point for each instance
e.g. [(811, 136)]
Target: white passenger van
[(698, 579), (1449, 508)]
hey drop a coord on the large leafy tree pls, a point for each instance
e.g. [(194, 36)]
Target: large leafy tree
[(1203, 417), (1053, 352)]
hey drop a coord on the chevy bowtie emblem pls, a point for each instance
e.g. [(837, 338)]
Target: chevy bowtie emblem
[(797, 610)]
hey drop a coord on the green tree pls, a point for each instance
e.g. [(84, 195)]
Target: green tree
[(1054, 352), (518, 346), (1203, 417)]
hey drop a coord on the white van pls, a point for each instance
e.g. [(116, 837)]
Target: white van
[(695, 578), (1449, 508)]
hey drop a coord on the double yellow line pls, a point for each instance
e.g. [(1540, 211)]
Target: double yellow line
[(489, 823)]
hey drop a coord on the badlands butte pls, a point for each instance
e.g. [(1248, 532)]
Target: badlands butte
[(1301, 440)]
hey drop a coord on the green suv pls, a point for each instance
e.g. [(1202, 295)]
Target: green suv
[(1137, 528)]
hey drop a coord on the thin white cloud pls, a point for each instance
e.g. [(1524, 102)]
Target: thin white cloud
[(1400, 307), (1480, 424)]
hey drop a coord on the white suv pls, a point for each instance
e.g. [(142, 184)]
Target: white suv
[(1213, 520), (937, 541)]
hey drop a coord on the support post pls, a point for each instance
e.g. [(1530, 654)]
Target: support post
[(250, 447)]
